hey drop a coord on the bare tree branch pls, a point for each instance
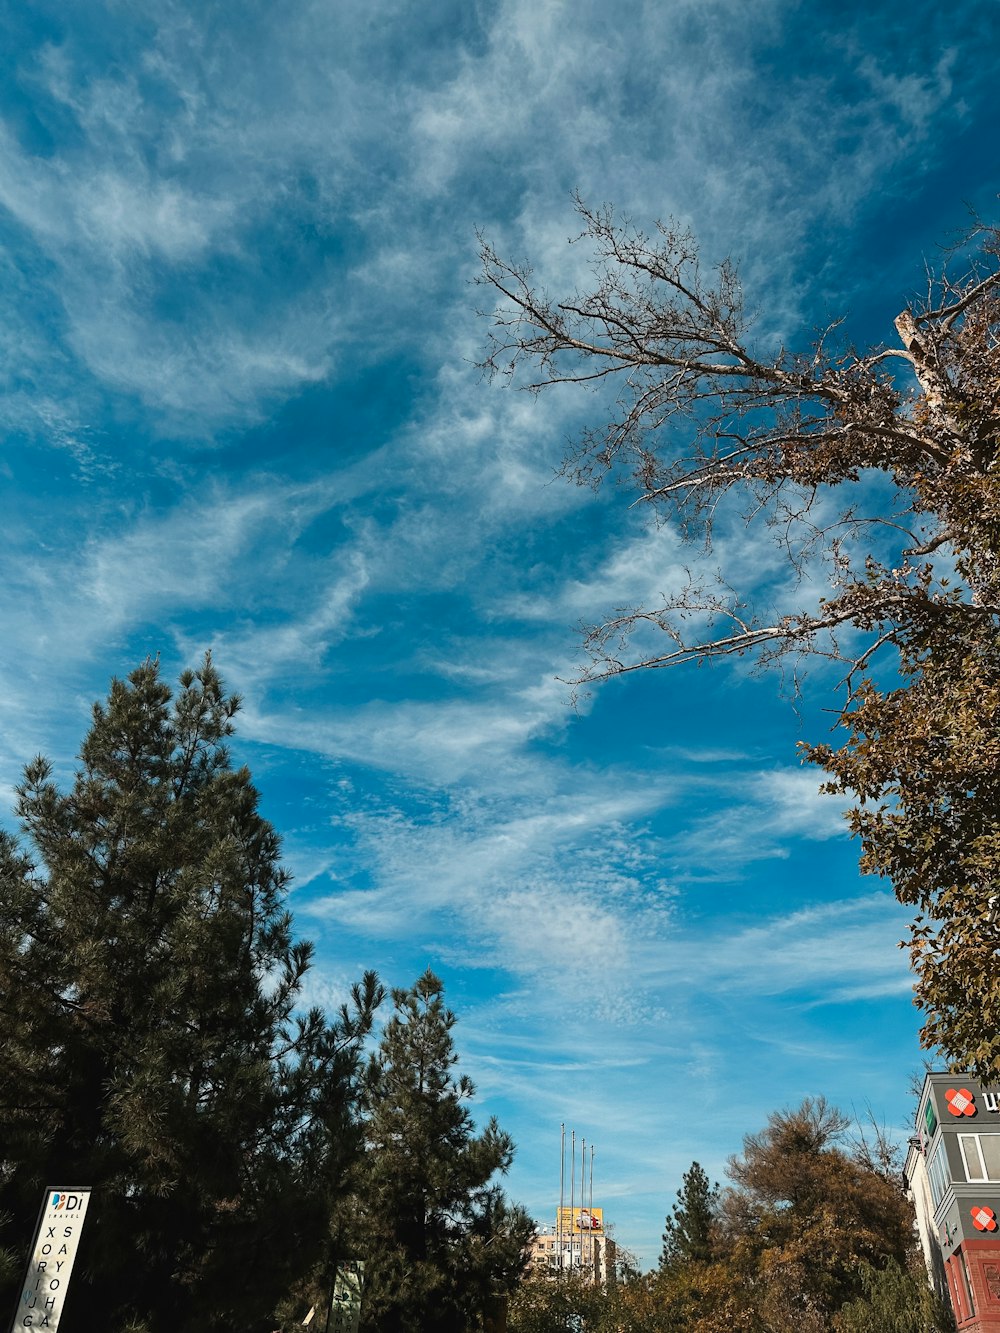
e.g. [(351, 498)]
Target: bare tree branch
[(795, 444)]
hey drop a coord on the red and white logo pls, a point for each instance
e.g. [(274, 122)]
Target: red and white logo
[(960, 1101), (983, 1219)]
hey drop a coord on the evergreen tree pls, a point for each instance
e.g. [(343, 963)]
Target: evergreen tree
[(687, 1235), (151, 1039), (441, 1244)]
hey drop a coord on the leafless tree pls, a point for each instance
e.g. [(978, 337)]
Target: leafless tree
[(702, 414)]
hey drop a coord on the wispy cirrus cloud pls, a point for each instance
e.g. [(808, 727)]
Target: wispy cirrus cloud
[(239, 330), (182, 160), (836, 949)]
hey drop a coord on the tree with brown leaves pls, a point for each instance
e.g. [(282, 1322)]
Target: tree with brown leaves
[(875, 472)]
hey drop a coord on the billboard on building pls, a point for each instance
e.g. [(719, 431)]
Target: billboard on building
[(580, 1221)]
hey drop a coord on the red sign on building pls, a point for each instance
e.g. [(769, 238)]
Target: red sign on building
[(960, 1101)]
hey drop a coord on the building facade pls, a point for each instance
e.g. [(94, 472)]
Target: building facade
[(953, 1177), (576, 1244)]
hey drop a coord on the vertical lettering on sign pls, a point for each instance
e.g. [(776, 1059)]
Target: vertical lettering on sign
[(46, 1283)]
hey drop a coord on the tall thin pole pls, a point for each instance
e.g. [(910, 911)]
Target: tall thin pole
[(592, 1256), (572, 1192), (562, 1196), (583, 1196)]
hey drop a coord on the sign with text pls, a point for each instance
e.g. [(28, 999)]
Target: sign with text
[(586, 1221), (345, 1308), (43, 1295)]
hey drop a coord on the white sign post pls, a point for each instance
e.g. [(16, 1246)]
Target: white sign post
[(60, 1222), (344, 1314)]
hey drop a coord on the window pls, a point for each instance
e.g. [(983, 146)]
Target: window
[(930, 1119), (975, 1167), (989, 1145), (937, 1172), (981, 1155), (965, 1274)]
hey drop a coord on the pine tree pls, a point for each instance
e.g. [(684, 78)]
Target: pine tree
[(151, 1040), (441, 1243), (687, 1235)]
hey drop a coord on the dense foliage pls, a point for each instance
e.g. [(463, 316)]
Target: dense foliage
[(802, 1218), (809, 1235), (875, 473), (152, 1042), (441, 1244), (155, 1047), (894, 1301)]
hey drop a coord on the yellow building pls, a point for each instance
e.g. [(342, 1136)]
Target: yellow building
[(576, 1244)]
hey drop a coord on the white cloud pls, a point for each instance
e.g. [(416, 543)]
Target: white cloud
[(836, 951), (755, 816), (556, 887), (250, 203), (185, 158)]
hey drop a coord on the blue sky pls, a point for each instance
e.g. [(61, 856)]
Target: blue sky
[(241, 412)]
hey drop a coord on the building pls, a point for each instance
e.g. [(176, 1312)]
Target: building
[(576, 1243), (952, 1174)]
